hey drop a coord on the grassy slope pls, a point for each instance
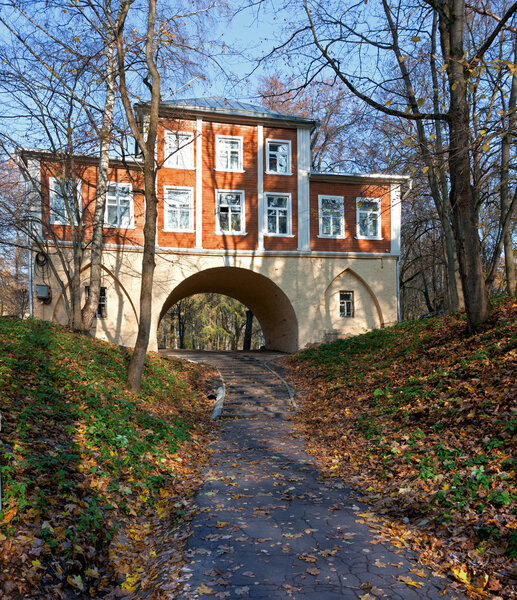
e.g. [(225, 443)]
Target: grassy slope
[(82, 457), (424, 420)]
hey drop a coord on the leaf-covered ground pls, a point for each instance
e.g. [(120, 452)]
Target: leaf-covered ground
[(424, 420), (96, 481)]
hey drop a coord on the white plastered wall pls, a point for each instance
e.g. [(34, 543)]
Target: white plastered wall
[(311, 284)]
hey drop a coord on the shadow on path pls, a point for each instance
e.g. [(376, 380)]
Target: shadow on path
[(270, 527)]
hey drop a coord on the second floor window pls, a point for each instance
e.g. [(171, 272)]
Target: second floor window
[(178, 209), (278, 157), (230, 211), (178, 150), (64, 195), (119, 205), (331, 216), (368, 218), (228, 153), (278, 214)]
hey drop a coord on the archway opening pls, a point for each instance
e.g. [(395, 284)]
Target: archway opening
[(268, 303), (210, 322)]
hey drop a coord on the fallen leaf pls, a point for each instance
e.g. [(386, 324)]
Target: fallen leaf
[(408, 581), (204, 589), (310, 558), (76, 582), (313, 571), (461, 574)]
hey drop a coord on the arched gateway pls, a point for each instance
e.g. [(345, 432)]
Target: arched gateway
[(265, 299), (240, 212)]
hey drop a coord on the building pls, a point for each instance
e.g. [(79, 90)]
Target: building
[(313, 255)]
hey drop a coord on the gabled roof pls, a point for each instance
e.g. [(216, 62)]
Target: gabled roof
[(230, 107)]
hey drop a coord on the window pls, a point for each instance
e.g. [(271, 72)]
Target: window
[(230, 211), (229, 153), (101, 312), (278, 214), (332, 216), (62, 194), (278, 157), (369, 218), (178, 150), (346, 304), (119, 205), (179, 207)]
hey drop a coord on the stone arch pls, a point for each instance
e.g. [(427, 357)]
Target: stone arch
[(265, 299), (368, 309)]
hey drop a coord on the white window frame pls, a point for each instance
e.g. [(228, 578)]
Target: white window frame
[(131, 207), (322, 197), (177, 155), (181, 188), (343, 302), (218, 165), (243, 213), (289, 157), (358, 236), (289, 233), (55, 218)]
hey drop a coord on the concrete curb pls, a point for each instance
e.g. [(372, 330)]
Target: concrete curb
[(291, 395), (219, 399)]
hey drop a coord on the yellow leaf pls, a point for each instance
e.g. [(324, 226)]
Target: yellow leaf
[(408, 581), (415, 38), (420, 101), (92, 572), (131, 582), (425, 169), (486, 146), (76, 581), (387, 103), (204, 589), (454, 85), (432, 136), (461, 574), (222, 524), (37, 564)]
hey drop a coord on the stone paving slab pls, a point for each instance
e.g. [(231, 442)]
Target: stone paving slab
[(269, 527)]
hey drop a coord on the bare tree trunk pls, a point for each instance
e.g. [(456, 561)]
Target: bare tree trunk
[(464, 210), (246, 344), (92, 301), (435, 165), (507, 209), (147, 146)]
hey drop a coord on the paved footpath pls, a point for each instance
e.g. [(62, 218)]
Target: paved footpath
[(269, 526)]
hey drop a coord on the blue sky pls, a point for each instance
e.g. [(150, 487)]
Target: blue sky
[(251, 33)]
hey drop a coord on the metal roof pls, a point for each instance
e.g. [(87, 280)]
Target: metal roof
[(229, 106)]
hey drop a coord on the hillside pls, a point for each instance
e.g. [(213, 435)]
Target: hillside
[(423, 420), (94, 478)]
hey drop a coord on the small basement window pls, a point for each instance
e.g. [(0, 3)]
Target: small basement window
[(101, 312), (346, 304)]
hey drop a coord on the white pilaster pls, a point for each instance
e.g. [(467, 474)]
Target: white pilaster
[(199, 183), (396, 212), (260, 185), (304, 166)]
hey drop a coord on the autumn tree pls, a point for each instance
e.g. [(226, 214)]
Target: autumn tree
[(54, 77), (364, 45)]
